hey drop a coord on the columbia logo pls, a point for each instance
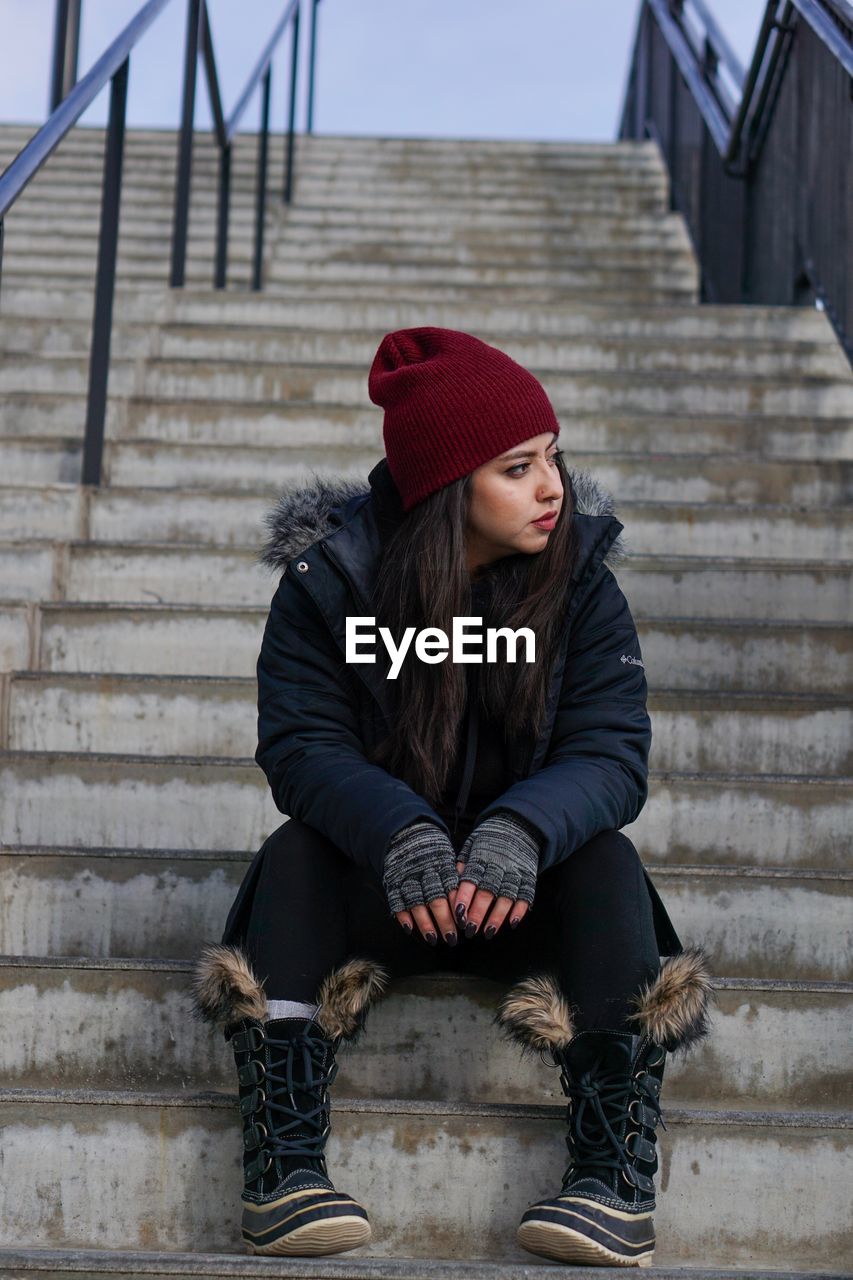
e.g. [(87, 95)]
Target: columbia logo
[(634, 662)]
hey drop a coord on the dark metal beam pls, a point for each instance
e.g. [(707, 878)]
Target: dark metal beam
[(66, 51), (312, 59), (183, 179), (99, 365)]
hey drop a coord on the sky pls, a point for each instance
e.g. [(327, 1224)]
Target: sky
[(550, 69)]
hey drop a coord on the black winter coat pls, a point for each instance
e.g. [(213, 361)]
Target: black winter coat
[(318, 716)]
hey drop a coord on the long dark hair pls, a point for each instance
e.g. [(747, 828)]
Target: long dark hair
[(423, 581)]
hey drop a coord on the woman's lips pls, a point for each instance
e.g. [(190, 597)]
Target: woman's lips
[(546, 522)]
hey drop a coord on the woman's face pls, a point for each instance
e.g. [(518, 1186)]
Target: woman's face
[(508, 494)]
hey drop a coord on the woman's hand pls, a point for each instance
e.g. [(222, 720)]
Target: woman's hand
[(470, 905), (418, 877), (497, 868)]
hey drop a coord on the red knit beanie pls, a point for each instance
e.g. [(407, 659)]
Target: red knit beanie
[(451, 403)]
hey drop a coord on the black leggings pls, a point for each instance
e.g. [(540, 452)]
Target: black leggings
[(591, 924)]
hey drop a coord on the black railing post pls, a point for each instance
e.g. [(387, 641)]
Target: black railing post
[(66, 50), (220, 270), (261, 187), (185, 148), (312, 58), (291, 116), (99, 360)]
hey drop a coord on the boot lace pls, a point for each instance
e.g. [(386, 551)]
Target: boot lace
[(308, 1050), (601, 1103)]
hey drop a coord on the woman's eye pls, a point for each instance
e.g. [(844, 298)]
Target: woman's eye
[(520, 467)]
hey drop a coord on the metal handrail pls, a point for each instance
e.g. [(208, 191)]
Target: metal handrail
[(41, 146), (720, 42), (259, 70), (113, 66), (199, 37), (739, 132), (725, 128)]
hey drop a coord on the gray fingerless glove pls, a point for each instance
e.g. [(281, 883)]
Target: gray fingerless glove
[(501, 855), (420, 865)]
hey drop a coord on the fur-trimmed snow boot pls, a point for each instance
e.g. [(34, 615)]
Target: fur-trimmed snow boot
[(602, 1215), (285, 1067)]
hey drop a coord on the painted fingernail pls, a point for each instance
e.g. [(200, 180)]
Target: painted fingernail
[(432, 938), (460, 912), (470, 929), (451, 939), (407, 927), (514, 923), (491, 931)]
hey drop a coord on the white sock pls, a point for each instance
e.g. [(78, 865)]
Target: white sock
[(290, 1009)]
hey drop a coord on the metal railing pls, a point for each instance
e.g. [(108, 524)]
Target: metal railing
[(199, 39), (758, 159), (113, 67)]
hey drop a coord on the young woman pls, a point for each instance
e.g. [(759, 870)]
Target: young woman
[(448, 813)]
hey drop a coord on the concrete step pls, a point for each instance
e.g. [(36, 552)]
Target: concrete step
[(89, 139), (192, 516), (302, 311), (126, 1024), (549, 199), (430, 295), (673, 391), (631, 191), (440, 280), (60, 374), (48, 511), (421, 294), (109, 1264), (314, 226), (696, 477), (406, 1161), (314, 234), (510, 169), (38, 248), (17, 633), (677, 391), (235, 520), (716, 588), (132, 802), (29, 572), (620, 352), (147, 186), (135, 273), (689, 653), (270, 427), (272, 430), (445, 176), (325, 218), (45, 460), (724, 587), (38, 254), (43, 219), (336, 225), (728, 478), (754, 922), (212, 716), (47, 337)]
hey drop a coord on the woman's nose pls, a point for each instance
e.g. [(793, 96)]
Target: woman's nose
[(551, 485)]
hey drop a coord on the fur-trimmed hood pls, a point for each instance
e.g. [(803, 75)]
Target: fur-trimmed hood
[(304, 515)]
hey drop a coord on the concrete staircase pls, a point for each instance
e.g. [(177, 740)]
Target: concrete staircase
[(131, 618)]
